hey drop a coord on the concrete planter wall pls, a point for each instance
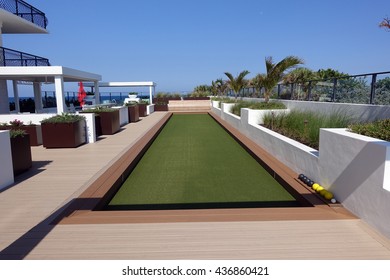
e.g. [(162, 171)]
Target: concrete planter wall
[(215, 104), (362, 112), (354, 167), (6, 170), (150, 109), (257, 116)]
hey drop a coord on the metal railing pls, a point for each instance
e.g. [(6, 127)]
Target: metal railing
[(26, 11), (9, 57), (371, 88)]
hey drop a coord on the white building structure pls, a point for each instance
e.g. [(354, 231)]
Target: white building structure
[(150, 85), (18, 66)]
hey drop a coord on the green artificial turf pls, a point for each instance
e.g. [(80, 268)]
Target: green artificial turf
[(194, 160)]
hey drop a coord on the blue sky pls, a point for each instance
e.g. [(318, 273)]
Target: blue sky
[(182, 44)]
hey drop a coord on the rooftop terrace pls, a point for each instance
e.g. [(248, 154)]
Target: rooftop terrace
[(59, 176)]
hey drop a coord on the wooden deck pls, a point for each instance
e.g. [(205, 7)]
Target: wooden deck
[(59, 176)]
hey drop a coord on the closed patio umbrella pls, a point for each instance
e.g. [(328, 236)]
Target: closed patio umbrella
[(81, 94)]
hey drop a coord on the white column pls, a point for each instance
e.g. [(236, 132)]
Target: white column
[(60, 98), (37, 97), (4, 102), (16, 96), (97, 93), (151, 94)]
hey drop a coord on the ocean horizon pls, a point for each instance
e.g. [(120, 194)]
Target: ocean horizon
[(103, 96)]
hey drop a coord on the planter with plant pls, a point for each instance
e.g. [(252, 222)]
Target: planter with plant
[(236, 109), (305, 127), (379, 129), (161, 104), (20, 150), (142, 108), (33, 130), (106, 120), (133, 111), (63, 131)]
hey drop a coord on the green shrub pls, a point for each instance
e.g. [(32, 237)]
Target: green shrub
[(64, 118), (98, 110), (305, 127), (13, 133), (379, 129), (256, 106), (131, 103)]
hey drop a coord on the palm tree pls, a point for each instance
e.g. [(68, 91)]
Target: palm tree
[(238, 83), (302, 78), (276, 71), (221, 86), (385, 23), (257, 83), (214, 88)]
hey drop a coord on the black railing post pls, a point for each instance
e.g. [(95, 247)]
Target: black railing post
[(373, 87), (278, 91), (309, 92), (32, 15), (17, 7), (3, 54), (334, 89), (292, 91), (21, 59)]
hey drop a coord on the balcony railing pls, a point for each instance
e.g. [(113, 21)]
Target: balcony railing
[(26, 11), (9, 57)]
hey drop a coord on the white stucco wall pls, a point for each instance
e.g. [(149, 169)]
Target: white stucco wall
[(355, 168), (362, 112), (6, 170), (149, 109)]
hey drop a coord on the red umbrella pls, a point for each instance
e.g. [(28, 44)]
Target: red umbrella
[(81, 94)]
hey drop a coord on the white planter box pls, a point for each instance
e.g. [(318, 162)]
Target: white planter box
[(6, 170), (355, 168), (257, 116), (123, 115), (149, 109), (215, 104)]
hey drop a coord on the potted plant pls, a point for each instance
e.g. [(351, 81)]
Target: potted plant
[(20, 150), (106, 120), (133, 111), (161, 104), (33, 130), (63, 131), (142, 108)]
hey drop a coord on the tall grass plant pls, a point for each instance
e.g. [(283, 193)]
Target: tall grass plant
[(305, 126)]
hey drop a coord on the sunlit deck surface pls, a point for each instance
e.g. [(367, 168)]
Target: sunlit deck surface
[(59, 176)]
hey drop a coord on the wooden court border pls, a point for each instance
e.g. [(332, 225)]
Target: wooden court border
[(88, 207)]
